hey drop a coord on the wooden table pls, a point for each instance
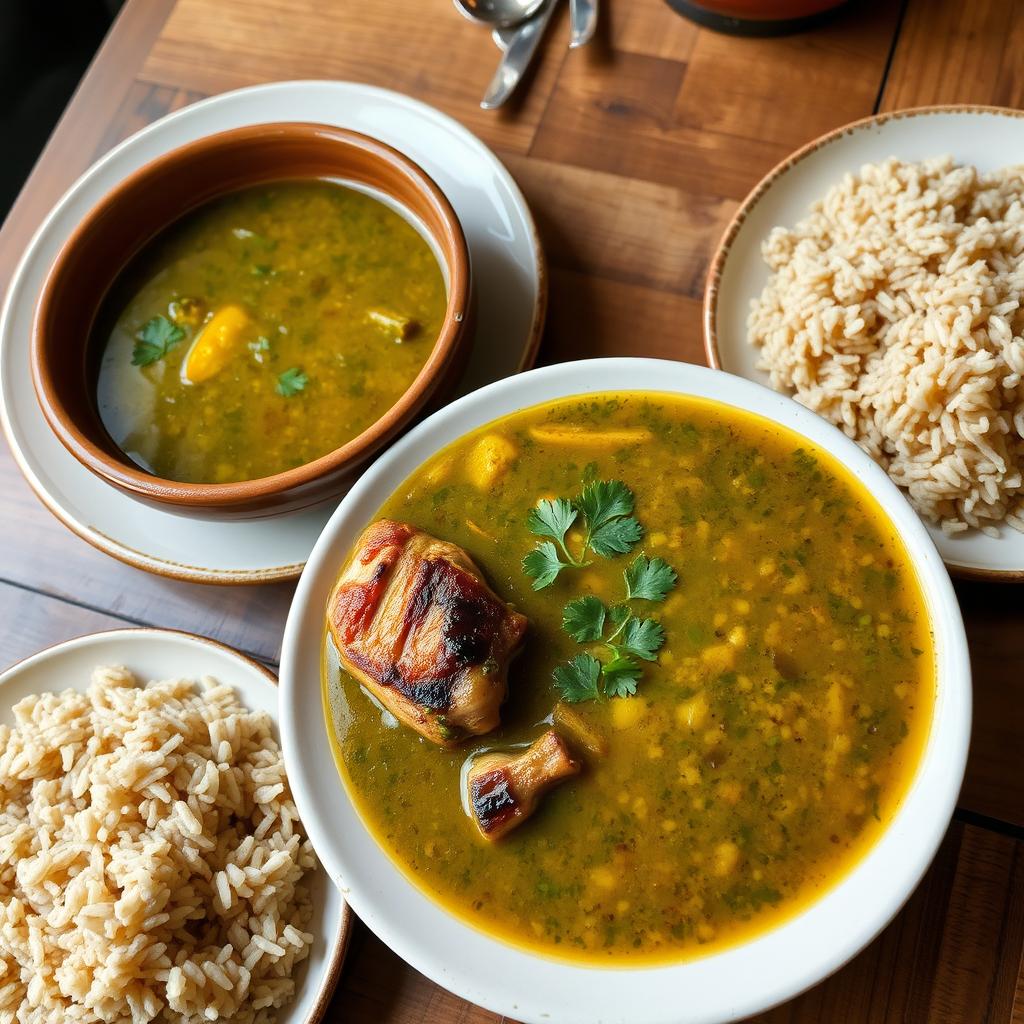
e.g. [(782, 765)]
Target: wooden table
[(633, 154)]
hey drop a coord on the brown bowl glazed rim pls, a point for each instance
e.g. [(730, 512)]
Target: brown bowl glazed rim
[(132, 478)]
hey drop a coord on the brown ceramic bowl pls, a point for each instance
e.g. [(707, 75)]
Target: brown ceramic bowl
[(64, 364)]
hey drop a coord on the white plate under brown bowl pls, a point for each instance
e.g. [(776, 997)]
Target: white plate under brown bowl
[(510, 281)]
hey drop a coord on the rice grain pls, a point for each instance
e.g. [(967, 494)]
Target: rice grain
[(894, 310), (128, 818)]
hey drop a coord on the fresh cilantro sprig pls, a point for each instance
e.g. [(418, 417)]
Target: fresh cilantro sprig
[(605, 510), (649, 578), (632, 640), (577, 680), (291, 382), (154, 340)]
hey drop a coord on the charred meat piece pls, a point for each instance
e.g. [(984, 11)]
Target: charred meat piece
[(504, 789), (415, 623)]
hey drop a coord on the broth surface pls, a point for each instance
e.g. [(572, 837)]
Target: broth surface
[(765, 750), (327, 303)]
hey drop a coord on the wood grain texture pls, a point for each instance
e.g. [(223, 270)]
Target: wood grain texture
[(633, 154), (589, 316), (423, 49), (34, 621), (50, 558), (994, 784), (601, 225), (714, 121), (950, 51)]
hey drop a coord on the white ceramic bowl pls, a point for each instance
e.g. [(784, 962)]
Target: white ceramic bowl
[(720, 987), (165, 654)]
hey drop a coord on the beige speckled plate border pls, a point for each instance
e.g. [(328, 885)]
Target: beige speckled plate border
[(511, 287), (115, 646), (723, 356)]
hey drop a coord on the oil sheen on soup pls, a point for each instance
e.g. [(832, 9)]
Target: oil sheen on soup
[(765, 747), (265, 329)]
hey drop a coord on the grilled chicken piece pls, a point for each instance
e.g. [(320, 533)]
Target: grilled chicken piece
[(504, 789), (415, 623)]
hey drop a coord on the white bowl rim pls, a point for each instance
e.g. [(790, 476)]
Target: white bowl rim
[(776, 965), (320, 1000)]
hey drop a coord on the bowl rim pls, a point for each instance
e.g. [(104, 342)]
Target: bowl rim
[(716, 268), (777, 964), (442, 355), (342, 937)]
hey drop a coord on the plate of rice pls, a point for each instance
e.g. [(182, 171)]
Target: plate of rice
[(152, 864), (877, 277)]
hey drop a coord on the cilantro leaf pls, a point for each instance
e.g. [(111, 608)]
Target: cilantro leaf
[(291, 382), (621, 675), (154, 340), (642, 638), (604, 500), (583, 619), (607, 507), (543, 565), (649, 579), (551, 518), (619, 613), (615, 537), (577, 680)]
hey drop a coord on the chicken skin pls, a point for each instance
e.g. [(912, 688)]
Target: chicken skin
[(415, 622), (505, 789)]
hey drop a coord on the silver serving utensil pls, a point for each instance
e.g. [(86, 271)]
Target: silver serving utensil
[(583, 22), (498, 13), (519, 45)]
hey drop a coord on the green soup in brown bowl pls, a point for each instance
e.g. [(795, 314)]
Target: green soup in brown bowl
[(238, 326)]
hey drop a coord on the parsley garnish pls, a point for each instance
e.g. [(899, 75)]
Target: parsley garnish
[(291, 382), (154, 340), (577, 680), (607, 506), (649, 578), (609, 529), (631, 642), (583, 619), (543, 565)]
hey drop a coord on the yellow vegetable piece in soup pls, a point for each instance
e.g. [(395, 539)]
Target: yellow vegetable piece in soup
[(264, 330), (220, 341), (770, 741)]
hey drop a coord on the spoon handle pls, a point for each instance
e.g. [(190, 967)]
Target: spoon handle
[(583, 21), (520, 44)]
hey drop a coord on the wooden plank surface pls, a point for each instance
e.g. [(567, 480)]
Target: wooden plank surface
[(633, 154)]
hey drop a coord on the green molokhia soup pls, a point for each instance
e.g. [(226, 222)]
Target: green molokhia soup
[(264, 330), (770, 739)]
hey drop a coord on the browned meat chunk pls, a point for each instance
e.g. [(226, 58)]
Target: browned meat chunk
[(504, 789), (415, 623)]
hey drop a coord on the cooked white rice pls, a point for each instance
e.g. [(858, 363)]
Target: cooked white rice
[(151, 858), (894, 310)]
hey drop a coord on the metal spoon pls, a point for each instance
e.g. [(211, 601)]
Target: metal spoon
[(519, 45), (583, 21), (498, 13)]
